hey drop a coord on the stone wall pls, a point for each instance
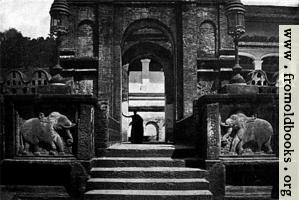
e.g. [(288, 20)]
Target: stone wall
[(98, 30), (200, 39), (199, 30), (194, 31)]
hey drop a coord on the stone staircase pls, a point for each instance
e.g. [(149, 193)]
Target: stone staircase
[(146, 171)]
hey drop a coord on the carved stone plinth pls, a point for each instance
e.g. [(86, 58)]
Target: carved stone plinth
[(76, 109), (56, 146), (215, 118)]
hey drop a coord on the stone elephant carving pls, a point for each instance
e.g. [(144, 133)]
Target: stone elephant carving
[(43, 130), (248, 129)]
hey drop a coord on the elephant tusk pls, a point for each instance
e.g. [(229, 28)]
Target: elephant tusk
[(72, 125), (224, 124)]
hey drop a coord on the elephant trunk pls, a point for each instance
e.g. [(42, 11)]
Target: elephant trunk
[(224, 124), (70, 139)]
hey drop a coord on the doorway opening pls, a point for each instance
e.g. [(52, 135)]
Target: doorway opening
[(146, 95), (148, 80)]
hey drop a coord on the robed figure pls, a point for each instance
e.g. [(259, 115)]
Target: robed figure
[(137, 128)]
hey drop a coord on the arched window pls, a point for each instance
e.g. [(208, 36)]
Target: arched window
[(152, 131), (207, 41), (85, 39), (15, 82)]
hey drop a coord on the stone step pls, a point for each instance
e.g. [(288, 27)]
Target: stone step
[(137, 162), (249, 197), (147, 150), (33, 192), (248, 192), (147, 184), (148, 194), (147, 172)]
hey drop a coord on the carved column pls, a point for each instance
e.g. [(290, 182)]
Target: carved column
[(101, 128), (213, 132)]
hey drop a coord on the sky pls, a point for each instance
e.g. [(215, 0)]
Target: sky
[(32, 18)]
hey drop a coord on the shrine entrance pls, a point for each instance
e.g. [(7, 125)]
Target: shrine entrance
[(148, 80)]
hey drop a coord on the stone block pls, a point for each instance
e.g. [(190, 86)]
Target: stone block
[(86, 132), (216, 177), (54, 89), (268, 89), (240, 89)]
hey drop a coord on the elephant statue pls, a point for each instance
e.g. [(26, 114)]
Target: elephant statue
[(43, 130), (248, 129)]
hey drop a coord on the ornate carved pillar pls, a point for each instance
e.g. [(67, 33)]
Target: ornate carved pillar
[(213, 132)]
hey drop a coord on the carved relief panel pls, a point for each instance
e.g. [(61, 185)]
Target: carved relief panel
[(45, 135), (246, 135)]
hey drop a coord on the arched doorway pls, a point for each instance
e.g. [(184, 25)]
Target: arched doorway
[(153, 132), (148, 83)]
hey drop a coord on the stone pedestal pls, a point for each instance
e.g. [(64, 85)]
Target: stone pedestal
[(229, 170), (67, 169)]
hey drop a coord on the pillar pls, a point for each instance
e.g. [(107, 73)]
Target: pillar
[(125, 102), (145, 71), (258, 64)]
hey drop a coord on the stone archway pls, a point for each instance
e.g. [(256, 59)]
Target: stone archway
[(151, 54), (151, 40)]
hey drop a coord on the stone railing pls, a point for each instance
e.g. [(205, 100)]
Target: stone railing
[(16, 82)]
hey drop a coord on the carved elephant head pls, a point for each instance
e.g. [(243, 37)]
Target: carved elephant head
[(236, 120), (60, 122)]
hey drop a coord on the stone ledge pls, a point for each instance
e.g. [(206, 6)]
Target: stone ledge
[(251, 160), (240, 89), (38, 98), (236, 98), (248, 192), (33, 192), (41, 160)]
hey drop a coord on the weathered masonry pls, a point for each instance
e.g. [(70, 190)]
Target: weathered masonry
[(170, 60)]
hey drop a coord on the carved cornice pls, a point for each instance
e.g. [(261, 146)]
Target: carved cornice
[(274, 14), (136, 2), (259, 44)]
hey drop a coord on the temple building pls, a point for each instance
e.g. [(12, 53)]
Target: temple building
[(175, 62)]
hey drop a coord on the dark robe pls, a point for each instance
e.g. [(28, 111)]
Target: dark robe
[(137, 129)]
